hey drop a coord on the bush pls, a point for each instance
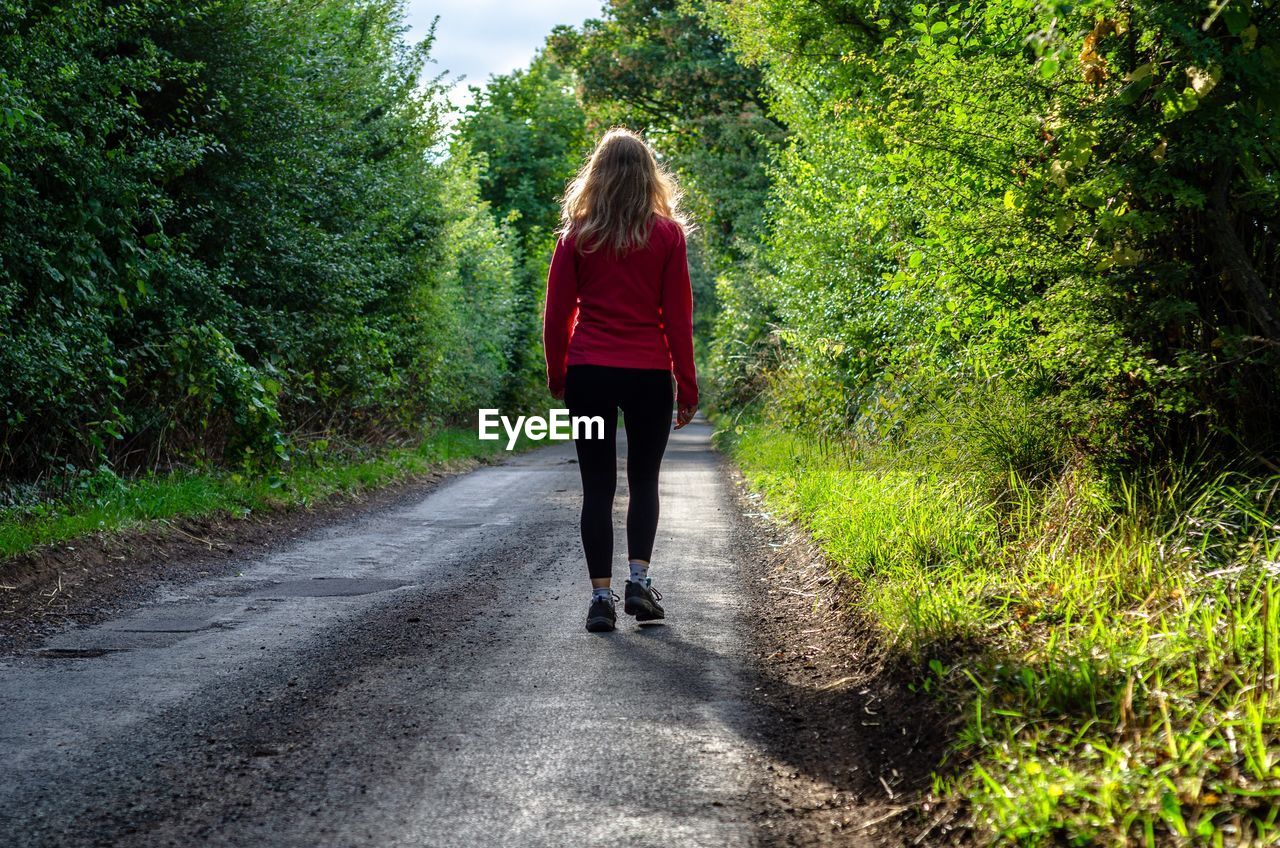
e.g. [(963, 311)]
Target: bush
[(227, 224), (1077, 204)]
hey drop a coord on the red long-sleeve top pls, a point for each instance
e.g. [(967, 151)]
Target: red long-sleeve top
[(630, 311)]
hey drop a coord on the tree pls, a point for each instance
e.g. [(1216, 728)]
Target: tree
[(529, 135), (1076, 206), (225, 224), (659, 68)]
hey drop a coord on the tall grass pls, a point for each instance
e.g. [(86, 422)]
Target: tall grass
[(104, 501), (1118, 646)]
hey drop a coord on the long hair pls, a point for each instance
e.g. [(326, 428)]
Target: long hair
[(617, 194)]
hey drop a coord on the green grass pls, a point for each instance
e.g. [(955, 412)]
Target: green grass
[(1118, 650), (106, 502)]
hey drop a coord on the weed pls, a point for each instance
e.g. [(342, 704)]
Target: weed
[(1120, 670)]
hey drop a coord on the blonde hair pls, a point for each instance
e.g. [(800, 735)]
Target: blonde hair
[(617, 194)]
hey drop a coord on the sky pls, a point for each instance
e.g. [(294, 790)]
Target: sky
[(478, 38)]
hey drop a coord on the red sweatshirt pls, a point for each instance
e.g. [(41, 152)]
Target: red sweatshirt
[(634, 311)]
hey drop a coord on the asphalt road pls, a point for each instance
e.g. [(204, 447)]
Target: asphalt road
[(417, 676)]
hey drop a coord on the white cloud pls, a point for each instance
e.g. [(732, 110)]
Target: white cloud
[(478, 38)]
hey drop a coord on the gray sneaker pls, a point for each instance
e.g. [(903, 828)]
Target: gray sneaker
[(601, 616), (642, 601)]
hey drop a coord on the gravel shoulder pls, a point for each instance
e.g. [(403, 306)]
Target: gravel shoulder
[(854, 746)]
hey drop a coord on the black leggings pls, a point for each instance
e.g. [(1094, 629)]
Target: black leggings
[(645, 397)]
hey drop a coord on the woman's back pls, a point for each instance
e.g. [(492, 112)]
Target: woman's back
[(631, 310)]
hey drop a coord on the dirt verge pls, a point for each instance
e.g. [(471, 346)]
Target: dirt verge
[(87, 579), (853, 747)]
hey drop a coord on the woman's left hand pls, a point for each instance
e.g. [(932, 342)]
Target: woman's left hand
[(684, 415)]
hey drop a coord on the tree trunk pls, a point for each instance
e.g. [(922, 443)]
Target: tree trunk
[(1245, 279)]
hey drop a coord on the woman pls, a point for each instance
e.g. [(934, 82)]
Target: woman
[(619, 322)]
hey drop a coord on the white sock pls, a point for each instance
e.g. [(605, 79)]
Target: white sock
[(639, 571), (602, 593)]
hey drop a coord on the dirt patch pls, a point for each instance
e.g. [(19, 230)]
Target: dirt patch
[(85, 580), (853, 748)]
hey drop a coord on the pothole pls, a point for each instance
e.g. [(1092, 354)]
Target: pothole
[(164, 624), (329, 587), (74, 653)]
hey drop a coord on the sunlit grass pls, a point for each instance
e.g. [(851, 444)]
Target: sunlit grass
[(105, 502), (1119, 651)]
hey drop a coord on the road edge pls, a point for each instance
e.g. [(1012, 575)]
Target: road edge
[(838, 705)]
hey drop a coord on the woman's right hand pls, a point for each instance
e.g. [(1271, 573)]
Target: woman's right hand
[(684, 415)]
